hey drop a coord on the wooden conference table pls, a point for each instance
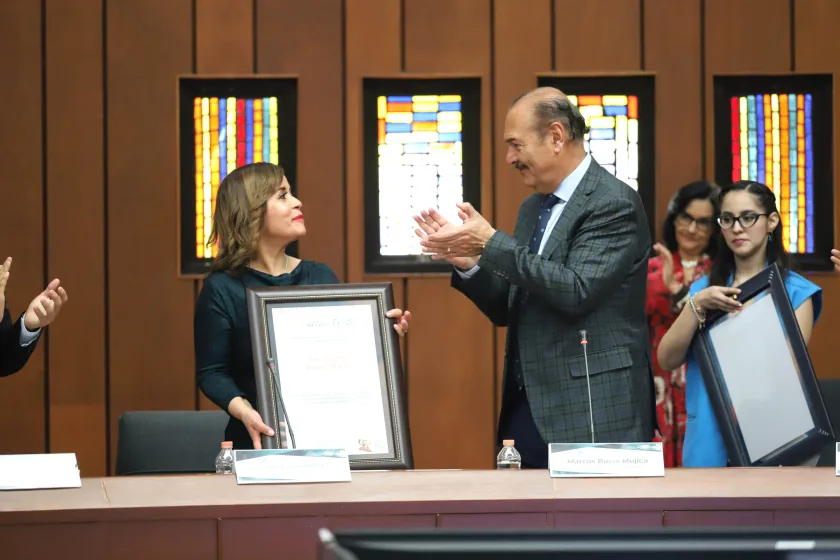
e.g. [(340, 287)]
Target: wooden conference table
[(211, 517)]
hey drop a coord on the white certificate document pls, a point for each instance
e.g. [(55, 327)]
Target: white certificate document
[(330, 377)]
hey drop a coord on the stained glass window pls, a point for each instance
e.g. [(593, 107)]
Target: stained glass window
[(772, 143), (225, 123), (613, 139), (619, 111), (777, 130), (229, 133), (421, 151), (420, 157)]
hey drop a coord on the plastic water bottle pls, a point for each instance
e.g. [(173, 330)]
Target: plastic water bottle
[(224, 460), (508, 457)]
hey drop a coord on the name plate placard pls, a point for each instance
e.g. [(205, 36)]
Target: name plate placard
[(837, 458), (582, 460), (289, 466), (39, 471)]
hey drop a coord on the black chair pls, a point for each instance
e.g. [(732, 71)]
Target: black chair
[(169, 442), (830, 389)]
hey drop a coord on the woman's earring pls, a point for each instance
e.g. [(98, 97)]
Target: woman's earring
[(770, 236)]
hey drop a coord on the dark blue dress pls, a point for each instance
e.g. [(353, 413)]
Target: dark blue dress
[(224, 364)]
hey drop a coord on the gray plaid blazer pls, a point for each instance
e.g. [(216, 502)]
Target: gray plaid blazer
[(591, 275)]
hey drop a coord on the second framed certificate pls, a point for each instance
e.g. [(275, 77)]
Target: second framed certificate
[(760, 381), (327, 365)]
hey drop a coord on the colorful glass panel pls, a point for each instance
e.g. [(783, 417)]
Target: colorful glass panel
[(420, 165), (229, 132), (772, 144), (613, 139)]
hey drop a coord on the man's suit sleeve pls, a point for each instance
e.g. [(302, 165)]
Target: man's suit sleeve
[(13, 356), (488, 292), (602, 252)]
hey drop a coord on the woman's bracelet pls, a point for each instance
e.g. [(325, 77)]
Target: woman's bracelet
[(701, 318)]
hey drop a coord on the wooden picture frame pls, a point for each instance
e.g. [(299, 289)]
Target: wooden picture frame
[(321, 326), (760, 379)]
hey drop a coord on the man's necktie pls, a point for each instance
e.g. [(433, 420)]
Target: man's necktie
[(545, 214)]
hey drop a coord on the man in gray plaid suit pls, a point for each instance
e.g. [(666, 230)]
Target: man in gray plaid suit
[(577, 260)]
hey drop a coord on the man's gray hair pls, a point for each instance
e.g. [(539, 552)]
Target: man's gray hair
[(557, 108)]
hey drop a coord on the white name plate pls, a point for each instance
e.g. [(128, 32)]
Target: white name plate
[(837, 458), (39, 471), (289, 466), (581, 460)]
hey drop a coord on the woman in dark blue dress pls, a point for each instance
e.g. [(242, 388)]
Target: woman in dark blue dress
[(256, 218)]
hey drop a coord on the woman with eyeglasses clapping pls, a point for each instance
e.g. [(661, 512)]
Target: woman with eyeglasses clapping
[(689, 243)]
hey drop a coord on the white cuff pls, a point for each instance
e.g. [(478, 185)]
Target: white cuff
[(27, 337), (467, 274)]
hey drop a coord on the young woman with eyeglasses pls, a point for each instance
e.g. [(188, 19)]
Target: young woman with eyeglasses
[(751, 240), (689, 244)]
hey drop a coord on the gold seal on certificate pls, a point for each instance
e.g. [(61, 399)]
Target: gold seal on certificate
[(327, 365)]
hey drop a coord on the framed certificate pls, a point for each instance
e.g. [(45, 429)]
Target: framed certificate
[(327, 364), (760, 380)]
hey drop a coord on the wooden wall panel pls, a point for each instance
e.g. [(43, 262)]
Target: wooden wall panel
[(22, 418), (450, 364), (597, 35), (377, 55), (817, 50), (766, 48), (522, 49), (224, 37), (367, 54), (151, 311), (305, 38), (672, 51), (75, 188), (224, 44), (450, 349)]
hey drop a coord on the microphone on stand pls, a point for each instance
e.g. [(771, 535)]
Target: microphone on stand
[(588, 386), (270, 363)]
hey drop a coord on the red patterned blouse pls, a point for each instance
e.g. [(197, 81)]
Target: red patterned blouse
[(662, 311)]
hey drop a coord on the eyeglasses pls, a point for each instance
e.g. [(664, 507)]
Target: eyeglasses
[(685, 219), (747, 220)]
